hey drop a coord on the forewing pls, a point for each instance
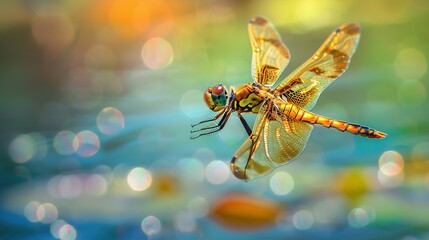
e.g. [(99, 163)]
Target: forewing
[(304, 85), (270, 56), (276, 140)]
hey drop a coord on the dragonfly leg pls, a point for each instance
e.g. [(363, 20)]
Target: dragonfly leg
[(210, 119), (245, 125), (212, 128)]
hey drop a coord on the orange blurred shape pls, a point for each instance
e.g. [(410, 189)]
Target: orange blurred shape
[(241, 211), (165, 185), (52, 29), (131, 18), (126, 15)]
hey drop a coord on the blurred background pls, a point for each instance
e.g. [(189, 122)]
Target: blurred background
[(97, 99)]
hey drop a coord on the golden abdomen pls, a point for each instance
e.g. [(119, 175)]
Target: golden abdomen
[(298, 114)]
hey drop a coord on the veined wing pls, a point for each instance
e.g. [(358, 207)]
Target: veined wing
[(270, 56), (304, 85), (275, 141)]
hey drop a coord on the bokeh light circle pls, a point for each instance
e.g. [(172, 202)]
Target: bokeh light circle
[(330, 210), (391, 163), (303, 219), (22, 148), (191, 103), (306, 15), (105, 172), (217, 172), (95, 185), (390, 181), (410, 64), (52, 29), (190, 170), (67, 232), (185, 222), (358, 218), (281, 183), (63, 142), (47, 213), (139, 179), (151, 225), (56, 226), (69, 186), (198, 206), (86, 143), (30, 211), (157, 53), (110, 120)]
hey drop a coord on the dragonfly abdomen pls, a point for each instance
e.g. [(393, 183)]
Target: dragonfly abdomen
[(302, 115)]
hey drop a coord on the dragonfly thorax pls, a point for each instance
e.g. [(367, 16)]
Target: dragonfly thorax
[(249, 97), (216, 97)]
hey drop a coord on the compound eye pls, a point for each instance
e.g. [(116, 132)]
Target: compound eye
[(218, 89)]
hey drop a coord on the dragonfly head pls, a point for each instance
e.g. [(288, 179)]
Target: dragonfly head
[(216, 97)]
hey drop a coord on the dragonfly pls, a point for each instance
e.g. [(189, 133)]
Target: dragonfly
[(284, 119)]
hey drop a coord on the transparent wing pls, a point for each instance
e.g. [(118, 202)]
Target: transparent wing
[(276, 140), (304, 85), (270, 56)]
